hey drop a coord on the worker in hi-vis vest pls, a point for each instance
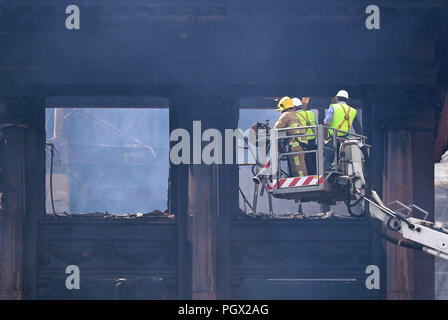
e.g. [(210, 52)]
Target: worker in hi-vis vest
[(340, 116), (288, 119), (308, 143)]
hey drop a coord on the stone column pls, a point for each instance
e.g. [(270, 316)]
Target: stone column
[(203, 212), (22, 163), (408, 176), (210, 202), (371, 112), (13, 209), (398, 186)]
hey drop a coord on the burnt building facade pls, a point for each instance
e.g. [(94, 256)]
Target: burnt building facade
[(204, 57)]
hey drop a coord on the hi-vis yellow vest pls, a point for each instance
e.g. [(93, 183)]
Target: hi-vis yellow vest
[(342, 119), (306, 118)]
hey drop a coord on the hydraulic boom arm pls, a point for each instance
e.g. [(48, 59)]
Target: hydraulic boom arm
[(423, 234)]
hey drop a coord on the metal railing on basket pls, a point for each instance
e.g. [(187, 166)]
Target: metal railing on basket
[(323, 141)]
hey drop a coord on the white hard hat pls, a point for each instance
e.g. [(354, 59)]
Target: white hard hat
[(342, 94), (296, 102)]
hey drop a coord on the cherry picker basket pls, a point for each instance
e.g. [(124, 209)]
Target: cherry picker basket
[(321, 186)]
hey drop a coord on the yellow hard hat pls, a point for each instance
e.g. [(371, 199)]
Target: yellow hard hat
[(285, 103)]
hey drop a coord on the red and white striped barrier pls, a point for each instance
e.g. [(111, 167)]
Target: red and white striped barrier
[(296, 182)]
